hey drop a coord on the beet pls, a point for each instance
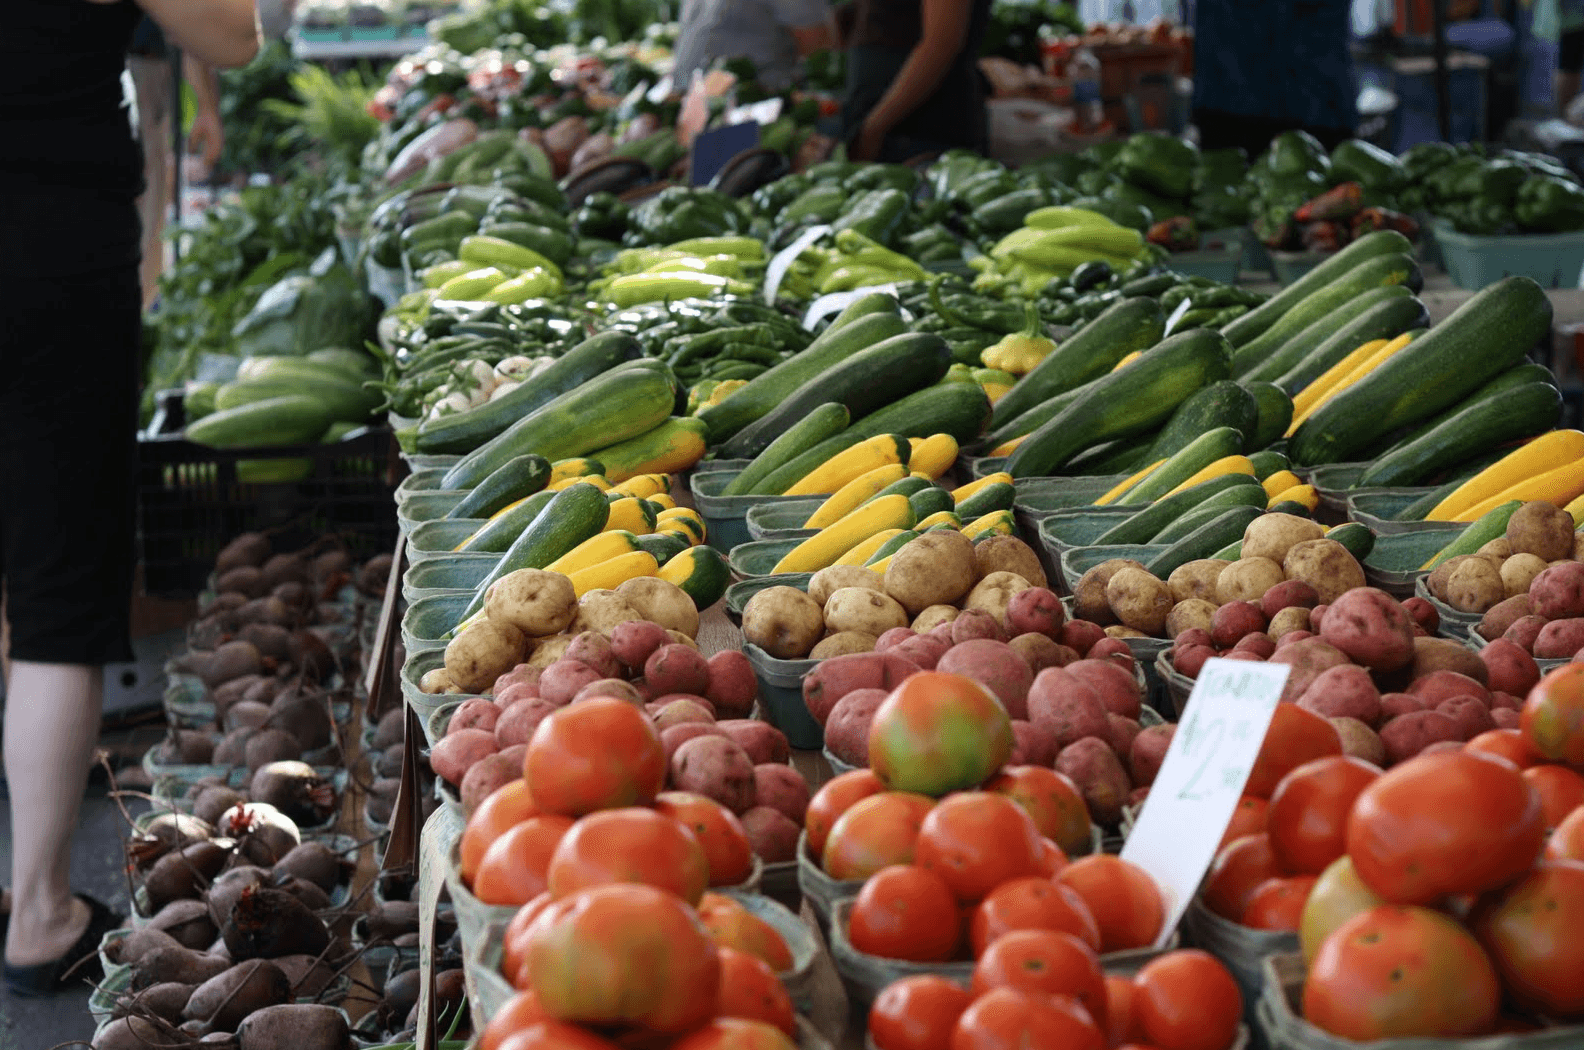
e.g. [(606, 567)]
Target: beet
[(313, 861), (270, 922), (188, 923), (272, 745), (213, 801), (307, 719)]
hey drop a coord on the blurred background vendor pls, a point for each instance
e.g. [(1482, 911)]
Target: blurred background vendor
[(913, 80), (772, 34), (1262, 67)]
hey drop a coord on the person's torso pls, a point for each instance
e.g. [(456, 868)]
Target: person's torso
[(1285, 60), (899, 24), (884, 32), (750, 29)]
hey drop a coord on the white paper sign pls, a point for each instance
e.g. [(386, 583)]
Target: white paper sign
[(776, 272), (836, 302), (1177, 315), (1202, 778)]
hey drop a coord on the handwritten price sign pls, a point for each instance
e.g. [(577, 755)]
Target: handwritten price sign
[(1206, 766)]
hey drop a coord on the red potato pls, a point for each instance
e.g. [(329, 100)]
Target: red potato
[(1317, 617), (1117, 689), (1499, 617), (1138, 796), (1192, 636), (675, 712), (1120, 733), (515, 692), (1036, 610), (995, 665), (1292, 637), (1370, 626), (1233, 620), (772, 834), (1507, 700), (1190, 660), (1091, 765), (1407, 735), (976, 623), (616, 688), (1066, 706), (489, 774), (453, 755), (522, 674), (1506, 718), (763, 741), (1039, 652), (1557, 593), (1525, 631), (1112, 650), (732, 687), (634, 641), (659, 703), (894, 637), (518, 722), (1394, 704), (677, 735), (593, 649), (1469, 713), (1081, 635), (1443, 654), (564, 679), (1242, 654), (477, 713), (676, 668), (1032, 745), (1510, 669), (1360, 741), (1309, 659), (833, 679), (783, 789), (1560, 639), (1344, 691), (715, 767), (1148, 753), (1259, 643), (1424, 614), (1287, 595), (1444, 685), (847, 729), (925, 650)]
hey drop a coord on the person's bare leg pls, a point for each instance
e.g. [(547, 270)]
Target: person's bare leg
[(51, 725), (1563, 87)]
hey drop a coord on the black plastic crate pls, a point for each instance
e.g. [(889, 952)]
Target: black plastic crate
[(191, 502)]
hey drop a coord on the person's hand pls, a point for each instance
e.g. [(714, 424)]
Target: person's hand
[(869, 142), (207, 137)]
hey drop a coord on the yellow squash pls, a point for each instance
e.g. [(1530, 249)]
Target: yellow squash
[(932, 456), (1225, 465), (612, 573), (862, 552), (851, 463), (1558, 486), (854, 494), (1547, 452), (823, 548), (963, 492), (1126, 483), (593, 551)]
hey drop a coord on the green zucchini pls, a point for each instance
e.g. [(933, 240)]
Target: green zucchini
[(1221, 404), (573, 515), (1184, 464), (1146, 523), (702, 572), (998, 495), (1204, 541), (1275, 414), (342, 400), (892, 545), (1209, 509), (1037, 417), (822, 422), (465, 431), (1124, 456), (1087, 354), (1382, 242), (1487, 527), (1465, 430), (1382, 313), (868, 380), (662, 545), (1290, 506), (929, 501), (515, 480), (295, 419), (501, 531), (1231, 552), (354, 364), (1356, 537), (1267, 462), (765, 392), (626, 401), (905, 486), (1265, 357), (1492, 331), (1135, 399)]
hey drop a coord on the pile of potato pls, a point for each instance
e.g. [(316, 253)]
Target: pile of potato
[(1124, 598), (1501, 574)]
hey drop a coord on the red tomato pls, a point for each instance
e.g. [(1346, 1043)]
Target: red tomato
[(1295, 736), (521, 1011), (1247, 819), (1309, 810), (504, 809), (917, 1013), (1124, 900), (1278, 904), (1236, 873), (1561, 791), (1120, 1023), (1567, 841), (1337, 895), (601, 753), (1007, 1019), (1534, 932), (1186, 1000), (1510, 744), (732, 1033), (515, 940), (876, 832), (937, 733), (1553, 715), (1032, 904), (1398, 972), (515, 868), (1044, 961), (976, 840), (553, 1035), (1443, 824), (1051, 799), (1051, 859), (750, 989), (898, 915), (629, 845), (719, 832), (837, 796)]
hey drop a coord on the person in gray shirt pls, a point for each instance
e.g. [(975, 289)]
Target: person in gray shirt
[(773, 34)]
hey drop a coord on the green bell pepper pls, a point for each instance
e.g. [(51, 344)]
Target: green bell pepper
[(1366, 164), (1550, 204), (1293, 152), (876, 214), (1004, 214), (1159, 162)]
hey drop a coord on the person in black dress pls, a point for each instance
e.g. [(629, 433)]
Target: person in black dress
[(70, 175)]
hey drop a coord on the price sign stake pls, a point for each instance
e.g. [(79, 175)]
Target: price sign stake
[(1206, 766)]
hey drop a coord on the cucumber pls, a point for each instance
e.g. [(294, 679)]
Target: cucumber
[(1210, 509), (1222, 404), (1188, 461), (1148, 522), (1137, 398), (1275, 414), (1492, 331), (610, 408), (502, 530), (295, 419), (1268, 462), (1357, 538), (1266, 357), (662, 545), (868, 380), (929, 501), (1382, 314), (1087, 354), (573, 515), (515, 480), (769, 389), (822, 422), (1227, 527), (1382, 242), (1489, 526), (1466, 430), (998, 496), (466, 431)]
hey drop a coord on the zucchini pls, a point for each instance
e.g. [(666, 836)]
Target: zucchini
[(516, 479), (892, 545), (610, 408), (1140, 527), (1290, 506), (573, 515), (1114, 457), (1489, 526), (1037, 417), (1356, 537), (664, 547), (1382, 313), (466, 431), (769, 389), (1089, 353), (701, 572), (930, 501), (1209, 509), (1267, 462), (670, 448), (1207, 448), (998, 496), (1466, 430), (1275, 414), (867, 380), (354, 364), (907, 486), (342, 400), (1492, 331), (1221, 404), (1137, 398), (1268, 355), (503, 528), (1382, 242), (1210, 537), (822, 423), (295, 419)]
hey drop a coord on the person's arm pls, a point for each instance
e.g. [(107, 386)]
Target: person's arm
[(945, 23), (208, 134), (223, 33)]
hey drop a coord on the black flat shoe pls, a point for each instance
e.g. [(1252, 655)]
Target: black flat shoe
[(79, 964)]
